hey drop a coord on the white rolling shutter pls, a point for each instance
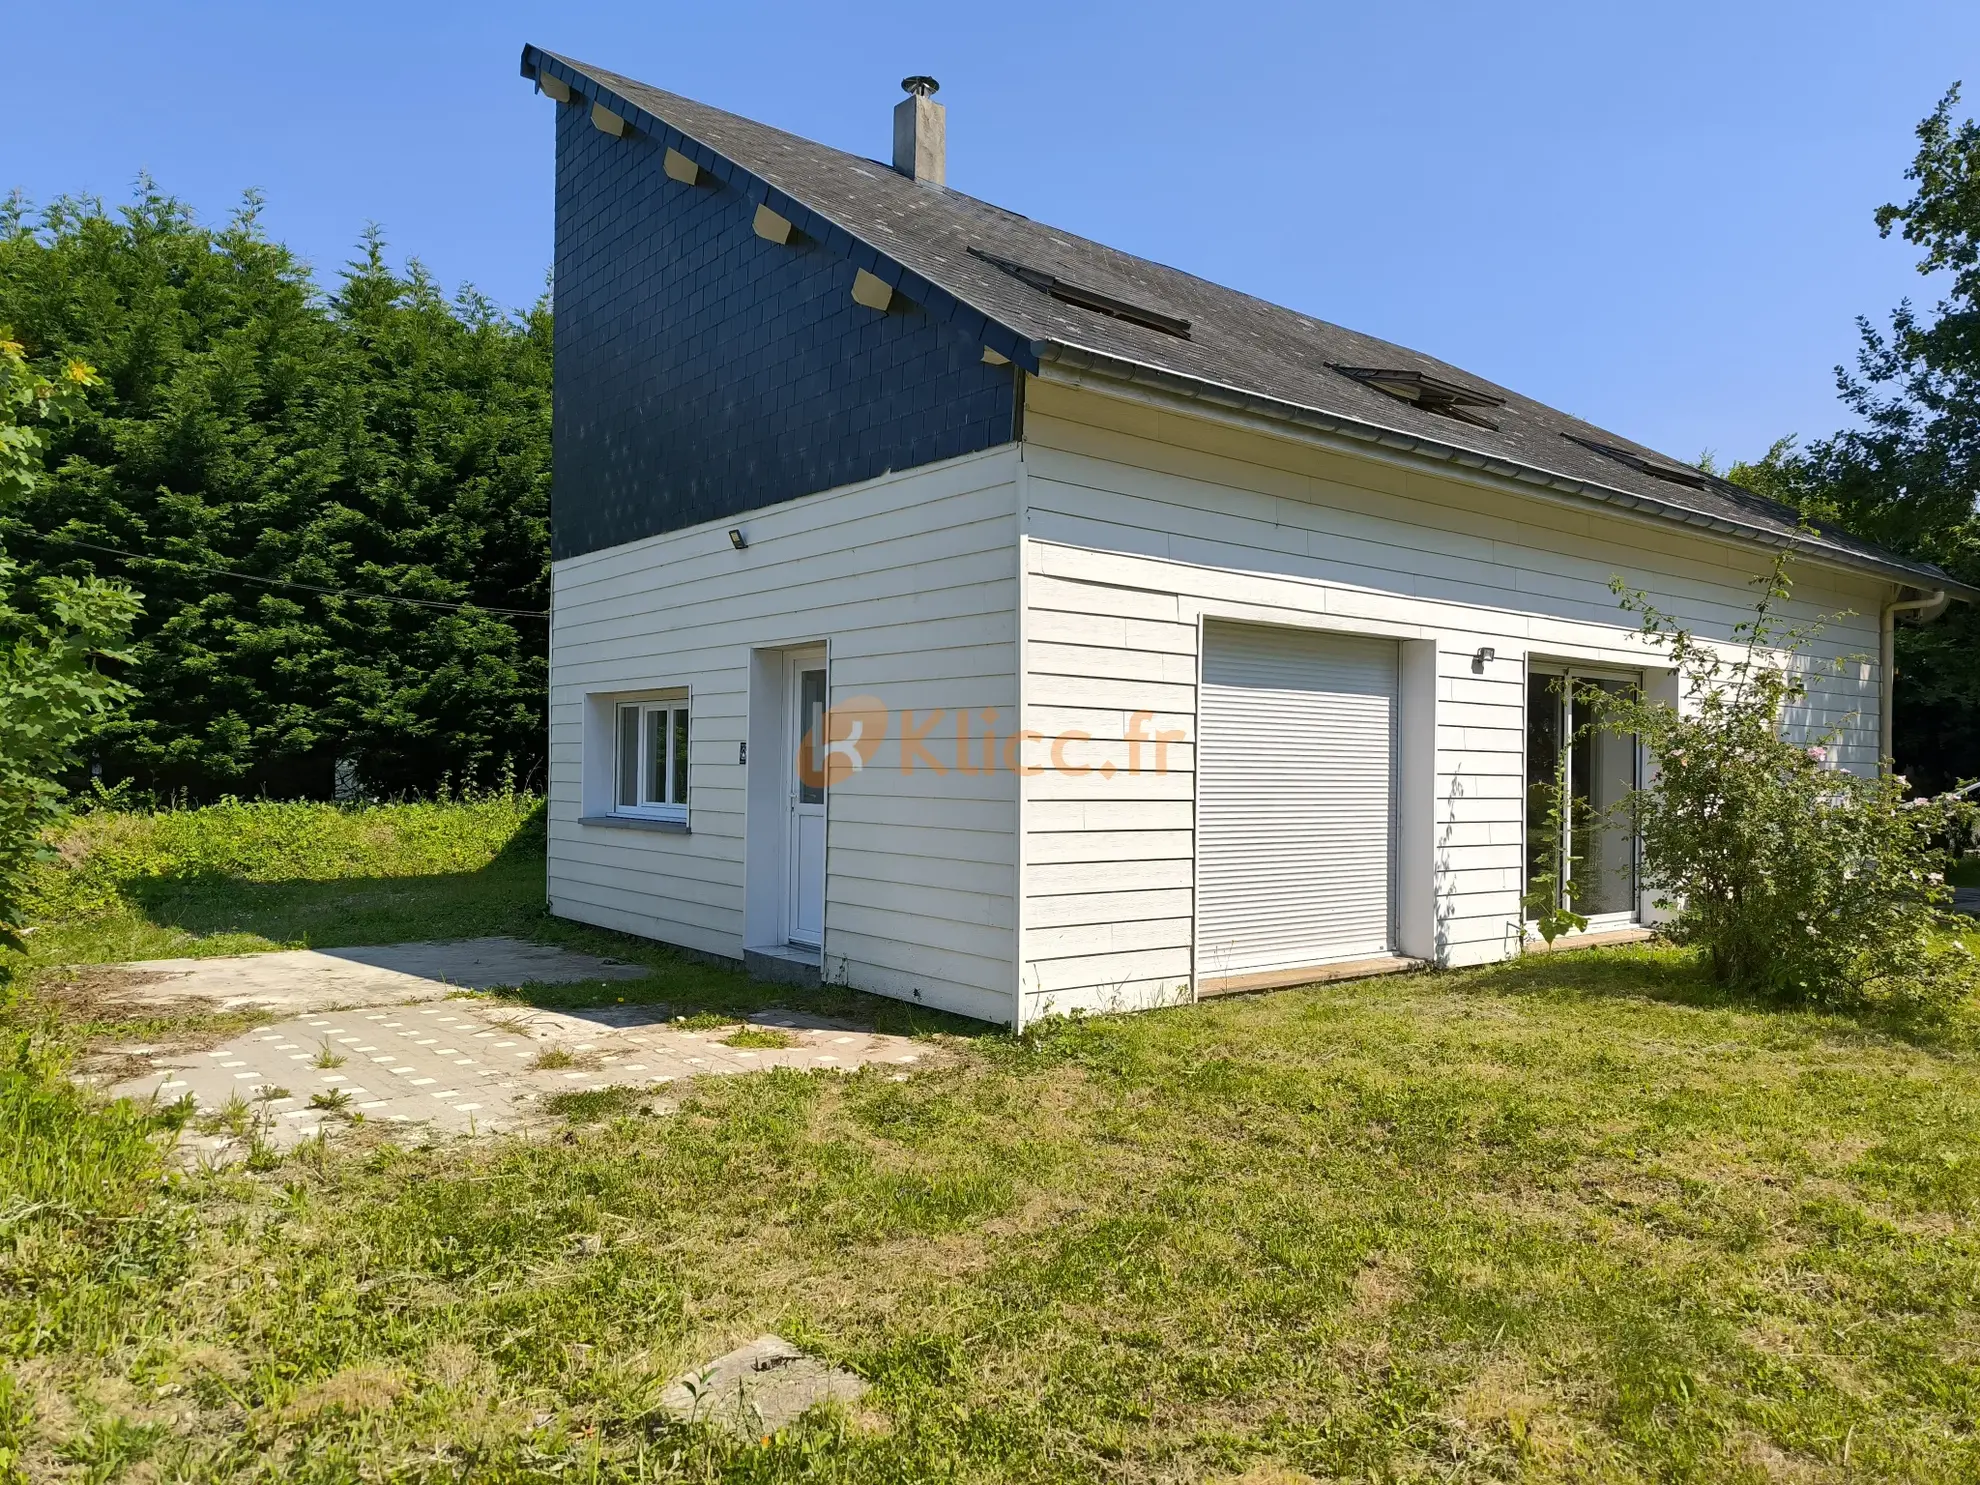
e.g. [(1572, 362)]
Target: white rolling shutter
[(1297, 735)]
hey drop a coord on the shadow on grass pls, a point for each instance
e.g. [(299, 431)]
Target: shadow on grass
[(506, 896), (503, 899), (680, 984), (1676, 976), (506, 899), (1659, 972)]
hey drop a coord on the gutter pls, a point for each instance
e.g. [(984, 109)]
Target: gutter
[(1078, 360), (1927, 609)]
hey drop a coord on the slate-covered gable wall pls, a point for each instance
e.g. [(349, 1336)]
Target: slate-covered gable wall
[(703, 371)]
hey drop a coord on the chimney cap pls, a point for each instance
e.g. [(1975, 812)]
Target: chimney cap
[(920, 87)]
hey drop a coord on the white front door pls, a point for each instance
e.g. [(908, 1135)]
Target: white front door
[(804, 918)]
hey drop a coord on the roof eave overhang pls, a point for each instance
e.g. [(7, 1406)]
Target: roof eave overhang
[(1063, 361)]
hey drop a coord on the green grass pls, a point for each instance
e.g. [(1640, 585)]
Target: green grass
[(241, 878), (591, 1105), (759, 1036), (248, 878), (1575, 1218), (703, 1021)]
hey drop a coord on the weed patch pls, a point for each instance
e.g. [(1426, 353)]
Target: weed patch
[(760, 1036), (703, 1021), (553, 1058), (591, 1105)]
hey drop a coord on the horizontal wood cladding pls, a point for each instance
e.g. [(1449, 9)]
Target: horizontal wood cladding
[(1140, 523), (911, 580)]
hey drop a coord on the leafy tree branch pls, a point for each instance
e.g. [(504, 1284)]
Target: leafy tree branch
[(52, 691)]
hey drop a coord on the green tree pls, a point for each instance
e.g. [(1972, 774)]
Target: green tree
[(52, 693), (1907, 475), (381, 439)]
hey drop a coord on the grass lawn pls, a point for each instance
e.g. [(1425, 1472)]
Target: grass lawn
[(1575, 1218)]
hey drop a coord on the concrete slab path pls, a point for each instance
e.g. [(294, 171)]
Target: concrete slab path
[(468, 1067), (322, 979)]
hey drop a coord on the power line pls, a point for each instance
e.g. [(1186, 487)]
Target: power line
[(248, 577)]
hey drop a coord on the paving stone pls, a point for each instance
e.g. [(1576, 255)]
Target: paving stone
[(317, 980), (467, 1067), (759, 1388)]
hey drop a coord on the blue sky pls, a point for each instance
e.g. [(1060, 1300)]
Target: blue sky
[(1656, 217)]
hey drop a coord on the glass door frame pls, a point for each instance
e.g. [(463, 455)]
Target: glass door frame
[(801, 798), (1568, 674)]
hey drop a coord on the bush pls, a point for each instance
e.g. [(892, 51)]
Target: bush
[(52, 695), (1802, 882)]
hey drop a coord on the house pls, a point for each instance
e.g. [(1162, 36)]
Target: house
[(955, 609)]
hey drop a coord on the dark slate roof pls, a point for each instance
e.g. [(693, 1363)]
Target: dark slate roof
[(1239, 351)]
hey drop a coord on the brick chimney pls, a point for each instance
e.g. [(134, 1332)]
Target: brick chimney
[(921, 132)]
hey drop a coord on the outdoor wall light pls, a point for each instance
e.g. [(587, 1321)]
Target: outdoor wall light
[(1485, 656), (737, 539)]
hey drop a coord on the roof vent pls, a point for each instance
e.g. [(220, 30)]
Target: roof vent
[(1677, 474), (1431, 393), (1085, 298), (921, 132)]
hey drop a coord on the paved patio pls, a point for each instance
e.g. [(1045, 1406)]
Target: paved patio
[(466, 1068), (389, 1047), (322, 979)]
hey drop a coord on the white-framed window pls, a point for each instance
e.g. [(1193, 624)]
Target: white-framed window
[(650, 759)]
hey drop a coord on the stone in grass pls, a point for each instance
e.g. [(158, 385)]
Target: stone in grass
[(758, 1388)]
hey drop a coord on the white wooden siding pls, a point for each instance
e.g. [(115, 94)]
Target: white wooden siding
[(1130, 526), (912, 580), (1140, 522)]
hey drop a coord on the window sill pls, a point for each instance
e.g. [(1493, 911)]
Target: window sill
[(635, 822)]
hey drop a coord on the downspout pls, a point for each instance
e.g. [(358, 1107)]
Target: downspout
[(1927, 610)]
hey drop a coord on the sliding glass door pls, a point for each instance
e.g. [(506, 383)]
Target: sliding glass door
[(1587, 849)]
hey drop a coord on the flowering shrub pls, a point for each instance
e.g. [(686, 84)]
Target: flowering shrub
[(1800, 881)]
